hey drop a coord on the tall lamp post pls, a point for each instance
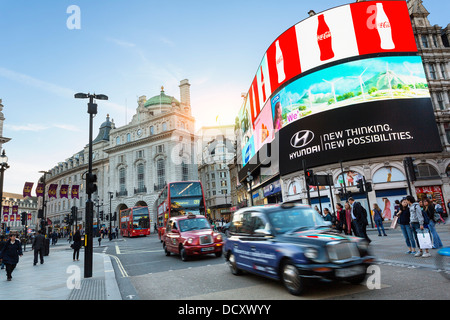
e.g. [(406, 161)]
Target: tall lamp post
[(110, 214), (249, 181), (3, 166), (91, 187)]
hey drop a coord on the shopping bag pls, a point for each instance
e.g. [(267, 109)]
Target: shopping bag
[(424, 238), (394, 222)]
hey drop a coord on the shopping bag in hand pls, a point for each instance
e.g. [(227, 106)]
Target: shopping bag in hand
[(424, 238)]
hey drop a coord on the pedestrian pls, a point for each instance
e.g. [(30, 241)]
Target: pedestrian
[(417, 223), (2, 244), (439, 211), (38, 246), (10, 254), (430, 211), (76, 245), (327, 215), (378, 219), (359, 216), (348, 219), (340, 216), (404, 222)]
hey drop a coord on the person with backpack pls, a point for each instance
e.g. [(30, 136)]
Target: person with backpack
[(359, 216), (378, 219), (417, 221), (431, 213)]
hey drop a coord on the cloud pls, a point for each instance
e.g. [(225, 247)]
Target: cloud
[(121, 43), (168, 42), (39, 127)]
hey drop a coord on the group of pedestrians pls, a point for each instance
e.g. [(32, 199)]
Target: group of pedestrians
[(414, 217), (352, 219)]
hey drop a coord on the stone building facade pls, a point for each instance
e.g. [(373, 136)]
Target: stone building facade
[(132, 162)]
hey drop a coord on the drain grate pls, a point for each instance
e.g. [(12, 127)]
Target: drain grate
[(91, 289)]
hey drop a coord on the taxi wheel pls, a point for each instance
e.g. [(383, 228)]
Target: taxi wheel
[(232, 264), (291, 279), (218, 254), (167, 252), (183, 254)]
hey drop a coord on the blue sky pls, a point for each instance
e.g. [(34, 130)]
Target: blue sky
[(126, 49)]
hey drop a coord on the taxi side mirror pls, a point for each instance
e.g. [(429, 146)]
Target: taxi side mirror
[(175, 231)]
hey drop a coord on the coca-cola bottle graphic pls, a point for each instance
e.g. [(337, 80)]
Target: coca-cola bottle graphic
[(263, 85), (384, 28), (324, 39), (279, 62)]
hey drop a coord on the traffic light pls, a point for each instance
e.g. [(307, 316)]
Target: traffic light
[(91, 179), (309, 176), (114, 216), (101, 215), (368, 186), (360, 185), (412, 168), (24, 218)]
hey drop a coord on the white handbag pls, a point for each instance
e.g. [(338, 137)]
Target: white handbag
[(424, 238)]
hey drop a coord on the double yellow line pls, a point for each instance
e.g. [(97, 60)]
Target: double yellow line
[(120, 266)]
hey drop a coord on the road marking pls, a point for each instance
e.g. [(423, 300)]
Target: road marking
[(117, 249), (120, 266)]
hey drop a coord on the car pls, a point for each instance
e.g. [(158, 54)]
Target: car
[(292, 243), (191, 235)]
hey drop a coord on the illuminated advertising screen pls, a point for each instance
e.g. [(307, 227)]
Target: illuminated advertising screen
[(354, 61)]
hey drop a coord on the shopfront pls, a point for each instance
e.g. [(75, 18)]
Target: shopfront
[(434, 193)]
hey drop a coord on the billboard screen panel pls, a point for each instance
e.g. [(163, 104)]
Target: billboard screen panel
[(356, 54)]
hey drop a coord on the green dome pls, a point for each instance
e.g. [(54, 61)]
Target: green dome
[(162, 98)]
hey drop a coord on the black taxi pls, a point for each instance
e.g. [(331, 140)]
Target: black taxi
[(292, 243)]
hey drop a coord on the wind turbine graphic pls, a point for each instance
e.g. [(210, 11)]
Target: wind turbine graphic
[(410, 74), (361, 83), (332, 87), (389, 79)]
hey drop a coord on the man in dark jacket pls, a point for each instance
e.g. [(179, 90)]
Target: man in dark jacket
[(38, 247), (10, 255), (360, 218)]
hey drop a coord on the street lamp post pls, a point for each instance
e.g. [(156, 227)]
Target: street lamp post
[(90, 185), (3, 166), (249, 181), (110, 214)]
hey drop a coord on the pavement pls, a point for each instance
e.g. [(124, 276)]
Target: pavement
[(60, 278)]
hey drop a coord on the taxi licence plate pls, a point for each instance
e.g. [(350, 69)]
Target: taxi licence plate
[(207, 249), (349, 272)]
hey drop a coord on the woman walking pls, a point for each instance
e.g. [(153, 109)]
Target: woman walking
[(348, 219), (76, 245), (404, 222), (429, 210), (378, 219), (10, 254)]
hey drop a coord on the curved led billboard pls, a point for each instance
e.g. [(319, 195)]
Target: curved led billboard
[(359, 57)]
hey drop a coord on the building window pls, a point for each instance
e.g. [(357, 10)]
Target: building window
[(184, 172), (426, 171), (435, 41), (140, 154), (128, 137), (443, 73), (424, 41), (117, 140), (164, 126), (432, 70), (140, 177), (223, 183), (160, 148), (122, 180), (161, 172), (440, 100), (152, 130)]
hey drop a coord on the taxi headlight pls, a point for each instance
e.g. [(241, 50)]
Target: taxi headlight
[(190, 240), (219, 237), (311, 253)]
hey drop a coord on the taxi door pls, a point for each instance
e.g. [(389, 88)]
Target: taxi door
[(262, 248), (172, 236)]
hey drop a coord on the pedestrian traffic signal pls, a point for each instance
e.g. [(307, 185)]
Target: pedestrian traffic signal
[(91, 179), (411, 168), (368, 186)]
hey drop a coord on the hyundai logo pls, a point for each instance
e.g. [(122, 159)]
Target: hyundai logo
[(302, 138)]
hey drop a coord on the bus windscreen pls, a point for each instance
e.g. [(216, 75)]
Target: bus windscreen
[(185, 189)]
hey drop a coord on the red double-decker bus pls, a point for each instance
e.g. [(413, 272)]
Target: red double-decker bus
[(135, 222), (179, 198)]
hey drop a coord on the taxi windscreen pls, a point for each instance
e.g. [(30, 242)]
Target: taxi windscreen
[(193, 224), (295, 219)]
